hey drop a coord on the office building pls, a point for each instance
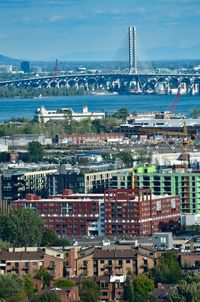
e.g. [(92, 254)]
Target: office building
[(25, 66)]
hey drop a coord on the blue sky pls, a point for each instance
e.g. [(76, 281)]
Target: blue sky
[(47, 29)]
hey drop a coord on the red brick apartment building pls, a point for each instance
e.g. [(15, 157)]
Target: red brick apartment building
[(68, 214), (137, 212), (117, 212)]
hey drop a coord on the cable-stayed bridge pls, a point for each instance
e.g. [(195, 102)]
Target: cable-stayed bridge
[(116, 82), (133, 81)]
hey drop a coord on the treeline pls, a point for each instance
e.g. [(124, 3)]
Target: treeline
[(50, 129), (19, 92), (15, 230)]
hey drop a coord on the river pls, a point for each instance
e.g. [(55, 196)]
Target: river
[(140, 103)]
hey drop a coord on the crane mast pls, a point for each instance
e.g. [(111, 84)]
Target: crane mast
[(185, 143), (172, 108)]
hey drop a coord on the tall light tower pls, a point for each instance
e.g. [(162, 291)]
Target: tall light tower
[(132, 50)]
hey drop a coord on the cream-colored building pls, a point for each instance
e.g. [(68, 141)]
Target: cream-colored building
[(43, 115)]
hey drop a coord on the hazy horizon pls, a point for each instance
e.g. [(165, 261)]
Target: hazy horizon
[(48, 29)]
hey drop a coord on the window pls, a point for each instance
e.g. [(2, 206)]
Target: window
[(128, 261), (109, 262), (163, 240), (104, 294), (145, 261), (120, 262), (102, 261)]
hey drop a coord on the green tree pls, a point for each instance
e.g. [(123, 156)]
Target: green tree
[(144, 156), (105, 125), (35, 152), (11, 287), (192, 277), (64, 282), (142, 286), (126, 158), (5, 245), (121, 113), (167, 270), (89, 291), (48, 238), (29, 287), (44, 275), (21, 227), (185, 292), (139, 289), (195, 113), (129, 291), (48, 297), (62, 242)]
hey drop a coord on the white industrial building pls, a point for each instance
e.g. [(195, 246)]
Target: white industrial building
[(43, 115)]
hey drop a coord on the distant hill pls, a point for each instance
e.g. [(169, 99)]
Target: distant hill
[(151, 54), (156, 53), (88, 56), (8, 61)]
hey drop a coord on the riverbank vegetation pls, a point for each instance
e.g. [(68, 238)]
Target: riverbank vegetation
[(68, 126), (25, 93)]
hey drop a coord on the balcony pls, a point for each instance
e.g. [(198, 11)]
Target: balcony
[(108, 265)]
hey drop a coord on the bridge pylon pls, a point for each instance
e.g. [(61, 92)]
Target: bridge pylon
[(132, 50)]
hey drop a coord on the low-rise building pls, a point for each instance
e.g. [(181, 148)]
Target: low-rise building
[(112, 287), (136, 126), (24, 139), (190, 260), (23, 261), (65, 294), (89, 138), (114, 262), (66, 114), (79, 262), (163, 240)]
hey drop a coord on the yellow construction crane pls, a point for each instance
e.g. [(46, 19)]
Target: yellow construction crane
[(184, 134)]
